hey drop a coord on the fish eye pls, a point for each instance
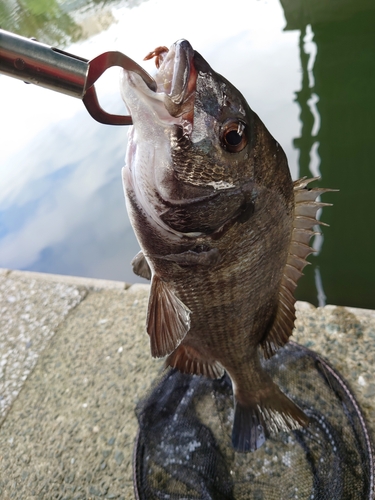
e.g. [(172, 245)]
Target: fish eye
[(233, 136)]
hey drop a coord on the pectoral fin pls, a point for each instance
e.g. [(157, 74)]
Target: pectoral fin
[(305, 218), (188, 360), (140, 266), (197, 257), (168, 319)]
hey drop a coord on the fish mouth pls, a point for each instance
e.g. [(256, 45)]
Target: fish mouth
[(173, 100), (176, 77)]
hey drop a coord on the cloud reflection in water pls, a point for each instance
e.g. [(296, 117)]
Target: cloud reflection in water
[(65, 208)]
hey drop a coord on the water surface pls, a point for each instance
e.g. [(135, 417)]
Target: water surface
[(308, 72)]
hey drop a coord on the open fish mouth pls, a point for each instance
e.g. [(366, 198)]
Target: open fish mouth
[(176, 83), (176, 77)]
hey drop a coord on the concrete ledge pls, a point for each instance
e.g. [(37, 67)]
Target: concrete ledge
[(74, 361), (89, 283)]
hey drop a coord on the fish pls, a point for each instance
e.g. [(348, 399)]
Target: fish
[(224, 234)]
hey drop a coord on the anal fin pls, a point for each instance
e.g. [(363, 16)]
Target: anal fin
[(188, 360), (258, 417), (168, 319)]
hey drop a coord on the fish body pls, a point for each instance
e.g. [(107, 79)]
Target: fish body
[(223, 230)]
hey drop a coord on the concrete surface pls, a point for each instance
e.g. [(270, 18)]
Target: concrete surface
[(74, 361)]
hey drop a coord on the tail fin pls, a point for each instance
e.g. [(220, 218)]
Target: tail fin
[(260, 417), (249, 432)]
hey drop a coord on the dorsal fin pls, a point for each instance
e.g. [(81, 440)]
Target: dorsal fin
[(305, 218), (168, 319)]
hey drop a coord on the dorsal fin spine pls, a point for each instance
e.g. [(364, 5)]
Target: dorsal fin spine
[(305, 221)]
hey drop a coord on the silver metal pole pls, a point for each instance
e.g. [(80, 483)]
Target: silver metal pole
[(35, 62)]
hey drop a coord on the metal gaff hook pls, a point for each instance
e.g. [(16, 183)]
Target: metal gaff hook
[(97, 66)]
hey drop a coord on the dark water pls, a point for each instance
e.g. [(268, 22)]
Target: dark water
[(344, 74), (310, 77)]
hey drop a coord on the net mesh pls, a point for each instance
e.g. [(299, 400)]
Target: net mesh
[(184, 450)]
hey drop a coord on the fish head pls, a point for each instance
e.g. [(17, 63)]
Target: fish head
[(197, 154)]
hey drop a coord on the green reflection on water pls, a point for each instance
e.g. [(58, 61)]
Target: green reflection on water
[(344, 73), (44, 20), (51, 21)]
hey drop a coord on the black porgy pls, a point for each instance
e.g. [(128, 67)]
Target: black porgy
[(224, 233)]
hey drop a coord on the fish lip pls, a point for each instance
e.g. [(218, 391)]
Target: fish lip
[(173, 66), (173, 100), (175, 85), (182, 66), (176, 78)]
